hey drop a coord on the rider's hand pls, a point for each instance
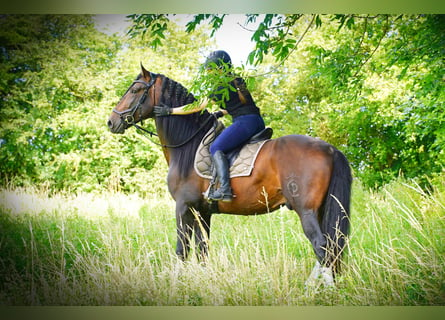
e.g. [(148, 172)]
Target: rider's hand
[(162, 111), (219, 114)]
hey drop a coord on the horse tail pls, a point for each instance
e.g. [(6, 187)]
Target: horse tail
[(335, 221)]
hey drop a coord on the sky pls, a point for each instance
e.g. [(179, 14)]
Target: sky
[(231, 37)]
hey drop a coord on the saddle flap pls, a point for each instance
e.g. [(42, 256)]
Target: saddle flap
[(241, 160)]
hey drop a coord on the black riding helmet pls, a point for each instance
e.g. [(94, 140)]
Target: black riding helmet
[(218, 58)]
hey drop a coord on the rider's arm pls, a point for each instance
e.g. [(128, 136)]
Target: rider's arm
[(161, 111), (190, 108)]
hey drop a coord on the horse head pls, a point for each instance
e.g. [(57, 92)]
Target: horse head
[(136, 104)]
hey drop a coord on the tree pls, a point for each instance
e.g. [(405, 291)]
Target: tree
[(45, 68), (59, 80)]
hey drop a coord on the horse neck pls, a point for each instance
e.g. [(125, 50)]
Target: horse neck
[(174, 133), (175, 130)]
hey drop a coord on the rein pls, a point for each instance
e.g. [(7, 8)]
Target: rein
[(212, 116)]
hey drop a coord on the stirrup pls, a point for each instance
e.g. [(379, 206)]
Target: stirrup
[(217, 195)]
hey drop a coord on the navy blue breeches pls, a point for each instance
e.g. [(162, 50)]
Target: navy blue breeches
[(238, 133)]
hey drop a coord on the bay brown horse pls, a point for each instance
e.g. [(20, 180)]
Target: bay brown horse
[(306, 174)]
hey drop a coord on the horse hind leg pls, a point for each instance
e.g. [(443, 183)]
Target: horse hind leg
[(312, 230), (321, 274), (311, 227), (303, 195)]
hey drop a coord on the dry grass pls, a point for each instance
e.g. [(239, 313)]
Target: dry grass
[(116, 249)]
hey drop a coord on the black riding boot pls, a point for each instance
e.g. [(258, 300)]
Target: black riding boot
[(224, 193)]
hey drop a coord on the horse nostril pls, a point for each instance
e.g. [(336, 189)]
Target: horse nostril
[(110, 124)]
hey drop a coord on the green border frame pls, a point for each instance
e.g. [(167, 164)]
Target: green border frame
[(222, 313), (225, 6)]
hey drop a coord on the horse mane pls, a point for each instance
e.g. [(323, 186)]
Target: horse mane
[(177, 128)]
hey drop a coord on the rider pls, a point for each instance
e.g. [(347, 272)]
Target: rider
[(247, 120)]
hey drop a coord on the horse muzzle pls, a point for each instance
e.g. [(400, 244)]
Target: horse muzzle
[(117, 125)]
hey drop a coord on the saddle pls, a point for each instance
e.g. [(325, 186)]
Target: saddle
[(241, 160)]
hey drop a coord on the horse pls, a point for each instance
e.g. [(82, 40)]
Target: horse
[(308, 175)]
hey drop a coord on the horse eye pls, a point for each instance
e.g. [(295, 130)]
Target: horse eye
[(134, 90)]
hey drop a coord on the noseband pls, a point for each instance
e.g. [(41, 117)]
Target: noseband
[(127, 116)]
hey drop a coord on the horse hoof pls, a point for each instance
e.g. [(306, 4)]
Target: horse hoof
[(320, 276)]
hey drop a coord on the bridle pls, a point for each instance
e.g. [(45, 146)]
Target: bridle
[(127, 116)]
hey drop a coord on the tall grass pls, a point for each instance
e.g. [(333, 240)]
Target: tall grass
[(116, 249)]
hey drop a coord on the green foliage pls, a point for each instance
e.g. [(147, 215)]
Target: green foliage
[(370, 90), (216, 21), (395, 116), (45, 78), (60, 79), (156, 24), (214, 80)]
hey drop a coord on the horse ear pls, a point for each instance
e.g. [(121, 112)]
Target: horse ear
[(145, 73)]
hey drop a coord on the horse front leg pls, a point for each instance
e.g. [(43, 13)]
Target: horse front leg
[(184, 229)]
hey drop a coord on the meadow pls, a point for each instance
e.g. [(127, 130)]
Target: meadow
[(118, 249)]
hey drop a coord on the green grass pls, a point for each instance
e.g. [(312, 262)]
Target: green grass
[(116, 249)]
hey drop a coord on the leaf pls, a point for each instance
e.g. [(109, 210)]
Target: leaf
[(350, 22), (318, 22)]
